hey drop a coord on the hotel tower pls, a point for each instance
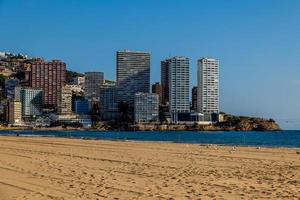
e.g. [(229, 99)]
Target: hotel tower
[(208, 86)]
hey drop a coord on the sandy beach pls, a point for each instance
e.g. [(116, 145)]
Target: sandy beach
[(55, 168)]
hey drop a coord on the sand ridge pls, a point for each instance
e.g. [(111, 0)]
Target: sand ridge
[(57, 168)]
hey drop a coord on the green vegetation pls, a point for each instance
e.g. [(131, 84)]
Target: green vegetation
[(70, 75), (244, 123)]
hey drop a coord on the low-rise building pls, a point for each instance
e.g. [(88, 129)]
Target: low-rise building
[(192, 118), (84, 120)]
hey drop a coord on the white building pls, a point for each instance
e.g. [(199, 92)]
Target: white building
[(15, 113), (78, 80), (179, 86), (208, 86), (76, 88), (3, 55), (65, 101), (146, 107)]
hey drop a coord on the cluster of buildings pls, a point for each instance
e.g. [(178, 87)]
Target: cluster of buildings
[(39, 93)]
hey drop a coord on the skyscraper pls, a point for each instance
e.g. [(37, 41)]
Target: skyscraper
[(65, 101), (194, 98), (10, 85), (156, 88), (48, 76), (92, 84), (15, 112), (108, 99), (179, 84), (133, 75), (165, 65), (208, 86)]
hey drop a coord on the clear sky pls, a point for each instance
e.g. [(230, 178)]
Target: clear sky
[(257, 42)]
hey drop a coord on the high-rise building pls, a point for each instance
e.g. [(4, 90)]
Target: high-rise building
[(208, 86), (32, 102), (93, 82), (156, 88), (179, 84), (17, 93), (10, 85), (194, 98), (15, 112), (133, 75), (65, 101), (108, 100), (48, 76), (165, 65), (146, 107)]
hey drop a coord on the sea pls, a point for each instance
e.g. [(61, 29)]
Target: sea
[(287, 138)]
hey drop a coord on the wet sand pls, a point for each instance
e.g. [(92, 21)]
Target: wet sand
[(55, 168)]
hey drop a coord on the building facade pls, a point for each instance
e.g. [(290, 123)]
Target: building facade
[(208, 86), (82, 107), (109, 101), (78, 80), (179, 84), (156, 89), (146, 107), (93, 82), (133, 75), (194, 98), (65, 101), (15, 112), (165, 65), (48, 76), (10, 85), (32, 102)]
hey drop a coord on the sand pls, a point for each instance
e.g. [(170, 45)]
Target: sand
[(55, 168)]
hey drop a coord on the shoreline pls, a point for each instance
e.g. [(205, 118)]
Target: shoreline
[(151, 141), (134, 130)]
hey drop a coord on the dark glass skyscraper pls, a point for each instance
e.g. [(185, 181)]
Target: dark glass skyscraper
[(165, 66), (133, 75), (92, 85)]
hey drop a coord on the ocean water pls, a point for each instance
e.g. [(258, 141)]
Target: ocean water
[(289, 139)]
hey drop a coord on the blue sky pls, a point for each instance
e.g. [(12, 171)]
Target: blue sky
[(257, 42)]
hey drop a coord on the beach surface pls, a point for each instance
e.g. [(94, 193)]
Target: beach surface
[(57, 168)]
